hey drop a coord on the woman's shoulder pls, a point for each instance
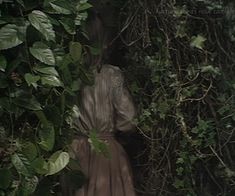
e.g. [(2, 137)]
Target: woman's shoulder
[(114, 74), (112, 69)]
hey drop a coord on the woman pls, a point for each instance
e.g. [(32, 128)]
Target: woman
[(106, 107)]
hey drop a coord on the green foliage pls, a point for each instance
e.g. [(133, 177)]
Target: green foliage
[(57, 162), (41, 56), (98, 145), (5, 178), (41, 22), (41, 52), (197, 41), (9, 36), (181, 56)]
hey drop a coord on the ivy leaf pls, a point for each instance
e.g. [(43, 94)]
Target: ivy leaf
[(21, 164), (3, 63), (180, 11), (163, 108), (9, 37), (75, 50), (5, 178), (57, 162), (178, 183), (47, 137), (98, 145), (210, 69), (229, 173), (42, 23), (181, 30), (68, 25), (43, 53), (31, 79), (51, 81), (198, 41)]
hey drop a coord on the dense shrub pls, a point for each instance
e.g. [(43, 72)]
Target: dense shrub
[(180, 57)]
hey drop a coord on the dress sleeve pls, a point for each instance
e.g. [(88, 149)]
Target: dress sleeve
[(124, 108)]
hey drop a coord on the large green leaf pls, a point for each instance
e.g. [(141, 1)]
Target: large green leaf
[(67, 59), (51, 81), (29, 150), (65, 71), (28, 103), (76, 85), (9, 37), (42, 23), (40, 166), (69, 25), (43, 53), (62, 6), (42, 117), (47, 70), (75, 50), (5, 178), (57, 162), (47, 137), (3, 63), (21, 164), (83, 6)]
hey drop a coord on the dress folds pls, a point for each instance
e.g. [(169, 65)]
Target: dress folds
[(106, 107)]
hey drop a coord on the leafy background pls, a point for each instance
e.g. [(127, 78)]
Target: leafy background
[(41, 66), (179, 58)]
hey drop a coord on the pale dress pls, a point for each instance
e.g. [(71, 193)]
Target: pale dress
[(106, 107)]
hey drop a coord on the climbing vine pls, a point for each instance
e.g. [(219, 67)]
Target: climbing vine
[(41, 70), (180, 58)]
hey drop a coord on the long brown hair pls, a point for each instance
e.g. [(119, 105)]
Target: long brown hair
[(97, 38)]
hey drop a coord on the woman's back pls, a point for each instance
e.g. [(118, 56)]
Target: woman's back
[(106, 106)]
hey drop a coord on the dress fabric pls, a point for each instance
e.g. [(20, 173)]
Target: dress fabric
[(106, 107)]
